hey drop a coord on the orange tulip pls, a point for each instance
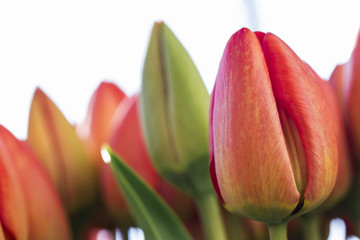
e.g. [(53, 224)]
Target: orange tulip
[(273, 151), (126, 139), (55, 142), (45, 212)]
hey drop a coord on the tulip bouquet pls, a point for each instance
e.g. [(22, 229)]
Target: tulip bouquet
[(274, 146)]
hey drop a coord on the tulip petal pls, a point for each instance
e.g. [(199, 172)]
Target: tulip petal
[(345, 173), (126, 139), (337, 80), (13, 216), (353, 96), (95, 128), (295, 90), (45, 212), (252, 165), (62, 153), (212, 167)]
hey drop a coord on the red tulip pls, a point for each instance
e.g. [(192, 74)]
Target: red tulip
[(346, 82), (273, 151), (60, 150), (14, 222), (352, 80), (95, 129), (45, 212)]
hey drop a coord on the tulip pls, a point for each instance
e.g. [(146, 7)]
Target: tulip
[(312, 222), (94, 130), (127, 141), (14, 222), (174, 113), (174, 107), (45, 212), (352, 81), (62, 153), (273, 151), (345, 80)]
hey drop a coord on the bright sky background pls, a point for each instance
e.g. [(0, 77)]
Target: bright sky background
[(68, 47)]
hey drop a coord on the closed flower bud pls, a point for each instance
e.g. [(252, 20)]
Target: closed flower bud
[(273, 151), (45, 212), (62, 153), (95, 129), (174, 107)]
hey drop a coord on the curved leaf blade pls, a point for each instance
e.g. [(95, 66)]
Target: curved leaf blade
[(151, 213)]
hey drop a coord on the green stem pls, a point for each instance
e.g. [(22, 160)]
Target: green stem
[(235, 227), (311, 226), (210, 215), (278, 231)]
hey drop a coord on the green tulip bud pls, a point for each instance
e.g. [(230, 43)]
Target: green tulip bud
[(174, 108)]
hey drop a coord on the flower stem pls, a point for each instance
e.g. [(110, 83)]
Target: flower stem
[(235, 227), (278, 231), (311, 227), (211, 218)]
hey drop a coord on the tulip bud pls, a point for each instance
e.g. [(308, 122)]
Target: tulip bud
[(62, 153), (174, 107), (45, 212), (273, 152), (126, 140), (14, 222), (353, 97), (346, 82), (94, 131)]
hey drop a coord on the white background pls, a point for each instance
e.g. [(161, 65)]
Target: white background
[(68, 47)]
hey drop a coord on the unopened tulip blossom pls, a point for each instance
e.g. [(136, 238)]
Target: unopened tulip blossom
[(273, 151), (345, 80), (95, 129), (62, 153), (14, 222), (174, 113), (46, 215)]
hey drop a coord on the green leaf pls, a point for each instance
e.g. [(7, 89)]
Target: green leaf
[(151, 213)]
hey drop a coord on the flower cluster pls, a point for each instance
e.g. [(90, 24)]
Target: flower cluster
[(273, 144)]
